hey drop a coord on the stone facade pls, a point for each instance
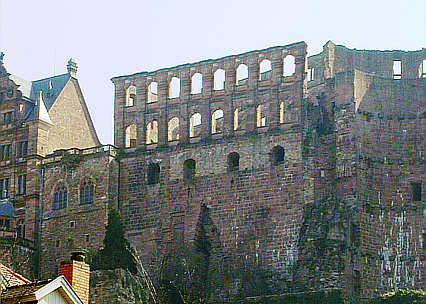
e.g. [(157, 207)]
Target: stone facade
[(310, 168)]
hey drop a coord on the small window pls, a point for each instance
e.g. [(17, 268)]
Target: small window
[(173, 129), (310, 74), (130, 96), (416, 190), (196, 83), (6, 152), (233, 161), (21, 228), (87, 192), (153, 174), (152, 132), (397, 69), (58, 243), (189, 170), (130, 136), (72, 224), (265, 70), (4, 188), (219, 80), (87, 239), (242, 75), (174, 88), (195, 125), (152, 95), (260, 116), (22, 148), (60, 199), (289, 66), (22, 184), (217, 121), (278, 155)]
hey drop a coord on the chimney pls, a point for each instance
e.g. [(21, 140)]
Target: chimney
[(77, 272), (72, 68)]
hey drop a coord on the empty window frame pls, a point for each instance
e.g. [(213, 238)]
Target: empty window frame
[(416, 191), (217, 121), (7, 118), (195, 125), (219, 80), (233, 161), (153, 174), (130, 136), (152, 132), (242, 75), (260, 116), (130, 96), (422, 69), (289, 66), (60, 198), (174, 88), (282, 109), (173, 129), (397, 69), (197, 83), (278, 155), (87, 192), (152, 95), (236, 120), (189, 170), (265, 70), (310, 74)]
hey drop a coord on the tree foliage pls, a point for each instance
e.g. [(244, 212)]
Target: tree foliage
[(116, 252)]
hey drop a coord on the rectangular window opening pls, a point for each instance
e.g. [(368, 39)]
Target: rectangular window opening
[(397, 69)]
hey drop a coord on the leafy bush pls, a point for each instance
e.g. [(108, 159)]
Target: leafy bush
[(402, 296)]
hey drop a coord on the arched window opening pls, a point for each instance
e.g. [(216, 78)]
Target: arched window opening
[(236, 120), (422, 69), (174, 88), (282, 109), (219, 80), (289, 66), (173, 129), (310, 74), (87, 192), (60, 199), (265, 70), (130, 96), (233, 161), (242, 75), (131, 135), (152, 92), (195, 125), (397, 69), (153, 174), (260, 116), (196, 83), (217, 121), (278, 155), (152, 132), (189, 170)]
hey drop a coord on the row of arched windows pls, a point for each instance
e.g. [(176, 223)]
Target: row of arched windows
[(189, 166), (60, 198), (241, 73), (195, 123)]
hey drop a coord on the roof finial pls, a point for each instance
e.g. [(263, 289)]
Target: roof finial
[(72, 67)]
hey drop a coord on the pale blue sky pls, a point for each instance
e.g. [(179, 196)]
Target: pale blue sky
[(111, 38)]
